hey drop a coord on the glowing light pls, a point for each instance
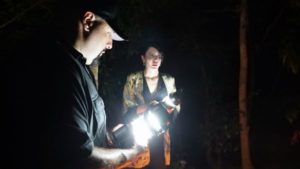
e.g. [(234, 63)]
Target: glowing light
[(141, 131), (153, 121)]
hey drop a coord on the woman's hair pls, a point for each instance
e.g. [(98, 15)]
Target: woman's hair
[(155, 45)]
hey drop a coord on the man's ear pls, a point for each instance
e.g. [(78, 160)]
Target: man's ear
[(88, 20)]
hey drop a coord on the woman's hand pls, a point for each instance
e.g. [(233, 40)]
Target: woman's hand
[(143, 108), (170, 110), (153, 102)]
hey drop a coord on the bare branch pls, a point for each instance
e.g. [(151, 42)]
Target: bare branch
[(21, 14)]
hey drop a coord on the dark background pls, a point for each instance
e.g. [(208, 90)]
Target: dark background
[(201, 46)]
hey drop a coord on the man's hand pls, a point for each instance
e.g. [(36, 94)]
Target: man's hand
[(105, 158), (133, 152), (140, 152)]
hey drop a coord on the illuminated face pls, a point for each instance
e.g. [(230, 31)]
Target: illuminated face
[(98, 40), (152, 58)]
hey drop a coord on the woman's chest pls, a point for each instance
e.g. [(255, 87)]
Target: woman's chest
[(152, 84)]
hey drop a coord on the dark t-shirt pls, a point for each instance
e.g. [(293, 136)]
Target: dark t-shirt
[(55, 115)]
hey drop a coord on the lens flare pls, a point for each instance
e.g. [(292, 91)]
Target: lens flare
[(153, 121), (141, 131)]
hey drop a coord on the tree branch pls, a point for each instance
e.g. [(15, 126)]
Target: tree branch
[(21, 14)]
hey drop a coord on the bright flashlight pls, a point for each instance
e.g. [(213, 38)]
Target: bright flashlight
[(153, 122), (144, 127), (141, 131)]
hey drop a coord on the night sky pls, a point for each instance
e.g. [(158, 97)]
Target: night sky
[(201, 46)]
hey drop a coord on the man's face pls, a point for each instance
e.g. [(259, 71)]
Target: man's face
[(98, 39), (152, 58)]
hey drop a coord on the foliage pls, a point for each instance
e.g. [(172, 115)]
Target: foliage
[(289, 51)]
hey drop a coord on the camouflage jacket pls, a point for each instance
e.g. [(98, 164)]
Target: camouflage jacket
[(133, 97)]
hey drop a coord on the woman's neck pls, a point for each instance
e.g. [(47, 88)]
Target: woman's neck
[(151, 73)]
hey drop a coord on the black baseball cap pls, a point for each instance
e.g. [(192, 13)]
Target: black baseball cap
[(107, 10)]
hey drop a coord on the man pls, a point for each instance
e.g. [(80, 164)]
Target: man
[(56, 117)]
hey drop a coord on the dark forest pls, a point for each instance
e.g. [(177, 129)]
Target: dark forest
[(202, 51)]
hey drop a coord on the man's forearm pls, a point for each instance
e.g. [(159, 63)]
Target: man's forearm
[(106, 158)]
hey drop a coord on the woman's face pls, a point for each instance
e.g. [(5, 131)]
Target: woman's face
[(152, 58)]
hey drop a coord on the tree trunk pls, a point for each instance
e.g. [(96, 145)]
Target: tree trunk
[(243, 113)]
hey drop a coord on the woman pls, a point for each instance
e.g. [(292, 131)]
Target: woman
[(142, 89)]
